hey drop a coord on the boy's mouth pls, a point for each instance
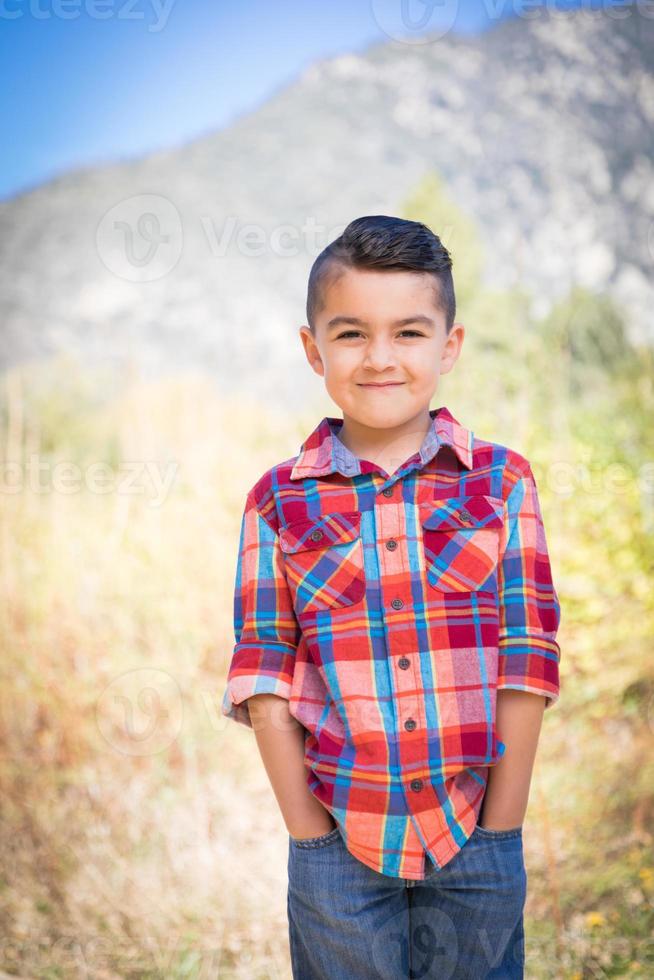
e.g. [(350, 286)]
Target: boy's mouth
[(380, 384)]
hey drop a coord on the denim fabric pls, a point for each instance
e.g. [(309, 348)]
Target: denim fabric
[(464, 921)]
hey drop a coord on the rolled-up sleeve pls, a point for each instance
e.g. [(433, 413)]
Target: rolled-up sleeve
[(529, 608), (266, 630)]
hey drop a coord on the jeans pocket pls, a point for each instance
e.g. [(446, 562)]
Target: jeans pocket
[(507, 834), (321, 841)]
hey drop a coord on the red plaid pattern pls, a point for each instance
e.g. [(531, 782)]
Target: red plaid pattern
[(388, 610)]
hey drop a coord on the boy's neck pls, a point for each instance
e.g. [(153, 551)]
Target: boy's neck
[(388, 447)]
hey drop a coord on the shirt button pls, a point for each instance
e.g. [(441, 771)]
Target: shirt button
[(465, 515), (416, 785), (404, 662), (391, 544), (410, 724), (397, 603), (316, 535), (388, 492)]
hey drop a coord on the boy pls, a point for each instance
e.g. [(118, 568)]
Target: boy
[(395, 623)]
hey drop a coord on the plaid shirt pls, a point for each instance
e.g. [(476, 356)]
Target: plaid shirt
[(388, 611)]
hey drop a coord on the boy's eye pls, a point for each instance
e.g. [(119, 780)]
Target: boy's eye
[(357, 333)]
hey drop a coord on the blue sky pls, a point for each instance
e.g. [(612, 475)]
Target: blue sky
[(85, 82)]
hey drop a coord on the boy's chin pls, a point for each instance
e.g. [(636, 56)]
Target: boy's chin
[(384, 416)]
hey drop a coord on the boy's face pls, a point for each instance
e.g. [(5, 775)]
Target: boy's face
[(380, 371)]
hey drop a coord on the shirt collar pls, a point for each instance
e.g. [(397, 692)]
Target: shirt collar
[(323, 452)]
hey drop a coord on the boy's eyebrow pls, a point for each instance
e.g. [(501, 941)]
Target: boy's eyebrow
[(353, 321)]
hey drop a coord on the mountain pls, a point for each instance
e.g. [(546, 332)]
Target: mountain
[(197, 258)]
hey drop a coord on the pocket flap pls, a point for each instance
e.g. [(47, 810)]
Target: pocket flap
[(324, 531), (456, 513)]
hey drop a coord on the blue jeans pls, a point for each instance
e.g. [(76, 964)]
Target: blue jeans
[(462, 922)]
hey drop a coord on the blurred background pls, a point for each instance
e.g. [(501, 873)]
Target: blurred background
[(170, 170)]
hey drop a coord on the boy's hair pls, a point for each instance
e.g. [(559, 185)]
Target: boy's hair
[(378, 241)]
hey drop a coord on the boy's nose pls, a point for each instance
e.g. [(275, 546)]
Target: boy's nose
[(379, 356)]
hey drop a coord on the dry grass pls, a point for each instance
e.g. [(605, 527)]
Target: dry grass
[(139, 835)]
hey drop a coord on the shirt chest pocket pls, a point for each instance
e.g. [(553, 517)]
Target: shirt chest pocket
[(461, 540), (323, 558)]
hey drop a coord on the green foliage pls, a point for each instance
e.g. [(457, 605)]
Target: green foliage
[(61, 409), (431, 204), (576, 397), (96, 588)]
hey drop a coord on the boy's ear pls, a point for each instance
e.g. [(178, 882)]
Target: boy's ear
[(452, 347), (311, 350)]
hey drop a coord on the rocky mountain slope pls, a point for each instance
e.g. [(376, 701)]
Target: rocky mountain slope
[(198, 257)]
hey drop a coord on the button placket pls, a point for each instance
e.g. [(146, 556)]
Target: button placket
[(392, 548)]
